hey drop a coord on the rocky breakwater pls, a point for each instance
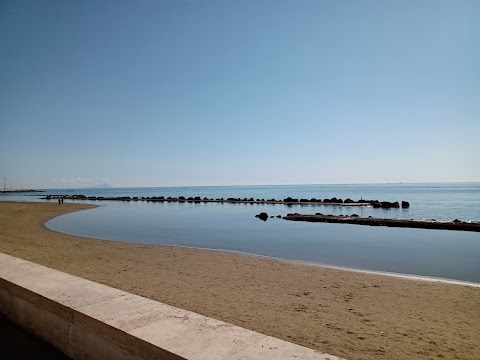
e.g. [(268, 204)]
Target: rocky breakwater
[(197, 199), (371, 221)]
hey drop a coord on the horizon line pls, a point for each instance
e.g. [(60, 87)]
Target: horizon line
[(246, 185)]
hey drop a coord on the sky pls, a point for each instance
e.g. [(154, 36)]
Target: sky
[(178, 93)]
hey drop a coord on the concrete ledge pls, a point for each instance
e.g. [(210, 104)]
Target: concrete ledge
[(88, 320)]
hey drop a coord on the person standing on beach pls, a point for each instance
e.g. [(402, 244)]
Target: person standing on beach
[(59, 201), (62, 200)]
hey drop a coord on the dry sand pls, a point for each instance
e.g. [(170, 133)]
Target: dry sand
[(344, 313)]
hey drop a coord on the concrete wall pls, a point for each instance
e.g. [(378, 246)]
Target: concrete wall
[(87, 320)]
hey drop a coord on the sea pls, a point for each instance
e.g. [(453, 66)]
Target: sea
[(443, 254)]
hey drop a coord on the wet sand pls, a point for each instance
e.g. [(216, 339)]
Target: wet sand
[(350, 314)]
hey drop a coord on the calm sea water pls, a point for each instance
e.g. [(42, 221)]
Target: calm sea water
[(233, 227)]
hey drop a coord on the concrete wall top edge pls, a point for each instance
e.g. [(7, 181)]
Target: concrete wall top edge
[(142, 326)]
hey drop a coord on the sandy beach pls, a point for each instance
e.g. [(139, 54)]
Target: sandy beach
[(345, 313)]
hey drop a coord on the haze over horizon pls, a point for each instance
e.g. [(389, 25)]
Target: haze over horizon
[(91, 185), (182, 93)]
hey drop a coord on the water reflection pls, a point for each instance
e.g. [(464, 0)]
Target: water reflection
[(233, 227)]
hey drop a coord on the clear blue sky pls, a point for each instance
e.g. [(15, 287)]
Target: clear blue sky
[(160, 93)]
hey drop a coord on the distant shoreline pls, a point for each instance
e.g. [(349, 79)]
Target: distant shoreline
[(12, 191)]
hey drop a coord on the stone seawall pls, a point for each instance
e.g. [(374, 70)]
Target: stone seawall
[(87, 320)]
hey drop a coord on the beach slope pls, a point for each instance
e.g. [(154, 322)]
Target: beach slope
[(349, 314)]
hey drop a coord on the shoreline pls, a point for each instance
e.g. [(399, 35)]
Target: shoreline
[(391, 274), (414, 277), (288, 260), (348, 313)]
